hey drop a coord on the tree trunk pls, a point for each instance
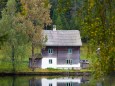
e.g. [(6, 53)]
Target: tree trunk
[(13, 81), (13, 61), (33, 63), (33, 82)]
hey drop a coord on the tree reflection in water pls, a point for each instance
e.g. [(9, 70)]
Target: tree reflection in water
[(32, 81)]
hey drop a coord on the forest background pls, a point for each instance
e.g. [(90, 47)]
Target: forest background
[(22, 23)]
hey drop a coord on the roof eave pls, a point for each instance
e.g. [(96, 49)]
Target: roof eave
[(65, 45)]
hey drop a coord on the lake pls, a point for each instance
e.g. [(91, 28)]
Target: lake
[(55, 81)]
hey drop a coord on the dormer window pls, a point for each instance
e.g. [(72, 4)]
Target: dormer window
[(50, 51), (69, 51)]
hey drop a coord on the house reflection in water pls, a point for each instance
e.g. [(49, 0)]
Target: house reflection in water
[(56, 82)]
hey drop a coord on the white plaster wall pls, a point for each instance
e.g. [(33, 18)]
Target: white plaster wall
[(78, 80), (45, 63), (46, 82), (74, 66)]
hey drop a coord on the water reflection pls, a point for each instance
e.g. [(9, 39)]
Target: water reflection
[(63, 81), (54, 81)]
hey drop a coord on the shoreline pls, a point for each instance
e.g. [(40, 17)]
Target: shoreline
[(47, 73)]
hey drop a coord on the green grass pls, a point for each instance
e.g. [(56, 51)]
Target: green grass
[(83, 52)]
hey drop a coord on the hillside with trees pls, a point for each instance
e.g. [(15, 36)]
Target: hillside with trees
[(96, 21), (22, 24)]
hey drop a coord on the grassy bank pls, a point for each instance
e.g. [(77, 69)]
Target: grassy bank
[(22, 63), (23, 67)]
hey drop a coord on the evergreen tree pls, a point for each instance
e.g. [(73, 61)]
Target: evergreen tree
[(58, 23), (65, 13)]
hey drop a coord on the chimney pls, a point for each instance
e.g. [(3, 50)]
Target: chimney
[(54, 27)]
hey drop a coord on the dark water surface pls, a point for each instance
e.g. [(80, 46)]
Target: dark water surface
[(55, 81)]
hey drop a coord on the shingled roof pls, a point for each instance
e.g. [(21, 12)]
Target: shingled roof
[(63, 38)]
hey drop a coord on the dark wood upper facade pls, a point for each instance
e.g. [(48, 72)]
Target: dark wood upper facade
[(64, 54)]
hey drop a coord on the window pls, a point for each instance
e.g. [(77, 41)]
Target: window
[(69, 84), (50, 61), (69, 61), (50, 51), (69, 51), (50, 84)]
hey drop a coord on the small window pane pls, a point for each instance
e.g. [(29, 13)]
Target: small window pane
[(67, 62), (70, 61)]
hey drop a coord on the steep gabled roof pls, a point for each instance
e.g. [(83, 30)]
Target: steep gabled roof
[(63, 38)]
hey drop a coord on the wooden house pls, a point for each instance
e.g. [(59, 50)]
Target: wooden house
[(62, 50)]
